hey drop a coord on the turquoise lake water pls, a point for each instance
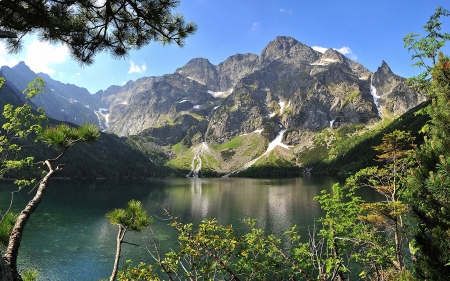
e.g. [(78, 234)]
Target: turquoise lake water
[(69, 238)]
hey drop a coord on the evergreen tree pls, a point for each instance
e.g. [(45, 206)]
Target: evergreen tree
[(133, 218), (88, 27), (429, 182)]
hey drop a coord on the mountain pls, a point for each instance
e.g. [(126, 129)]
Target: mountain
[(209, 117), (395, 95), (65, 102), (290, 81)]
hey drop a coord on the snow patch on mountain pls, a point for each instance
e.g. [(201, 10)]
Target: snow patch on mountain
[(221, 95), (103, 117), (196, 80)]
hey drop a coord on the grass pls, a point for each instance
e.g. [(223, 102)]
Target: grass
[(233, 143), (178, 148), (182, 161), (274, 160)]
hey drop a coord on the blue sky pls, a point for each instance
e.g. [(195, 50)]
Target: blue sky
[(365, 31)]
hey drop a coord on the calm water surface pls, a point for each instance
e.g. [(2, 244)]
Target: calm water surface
[(69, 238)]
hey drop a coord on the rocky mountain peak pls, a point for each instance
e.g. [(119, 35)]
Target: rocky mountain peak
[(201, 71), (332, 55), (234, 68), (384, 75), (384, 69), (21, 66), (396, 96), (195, 63), (289, 50)]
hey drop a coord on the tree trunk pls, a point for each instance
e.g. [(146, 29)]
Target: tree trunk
[(120, 236), (5, 271), (398, 251), (10, 256)]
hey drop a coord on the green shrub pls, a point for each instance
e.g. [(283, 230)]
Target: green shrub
[(6, 226), (30, 275)]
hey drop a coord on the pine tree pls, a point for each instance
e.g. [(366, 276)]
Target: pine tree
[(88, 27), (133, 218), (429, 183)]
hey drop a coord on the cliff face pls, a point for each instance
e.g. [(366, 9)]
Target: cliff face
[(157, 101), (395, 95)]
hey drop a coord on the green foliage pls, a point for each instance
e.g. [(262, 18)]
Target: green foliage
[(88, 28), (30, 275), (313, 155), (427, 47), (353, 148), (372, 235), (133, 218), (341, 229), (111, 157), (183, 160), (273, 159), (429, 183), (6, 226), (211, 251), (141, 272), (63, 136), (20, 123)]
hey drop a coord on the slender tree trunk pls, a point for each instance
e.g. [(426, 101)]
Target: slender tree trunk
[(120, 236), (340, 275), (398, 252), (10, 256)]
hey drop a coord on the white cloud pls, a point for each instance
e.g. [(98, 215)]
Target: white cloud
[(256, 26), (282, 10), (40, 56), (348, 52), (3, 57), (319, 49), (134, 68), (344, 50)]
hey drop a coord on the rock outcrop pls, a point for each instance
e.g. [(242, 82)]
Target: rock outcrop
[(396, 97)]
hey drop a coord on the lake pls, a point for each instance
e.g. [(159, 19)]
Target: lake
[(69, 238)]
